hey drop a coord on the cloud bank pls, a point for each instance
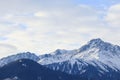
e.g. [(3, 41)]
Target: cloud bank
[(43, 26)]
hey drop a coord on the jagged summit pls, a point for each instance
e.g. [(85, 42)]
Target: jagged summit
[(24, 55), (99, 44), (94, 43), (97, 41), (60, 51)]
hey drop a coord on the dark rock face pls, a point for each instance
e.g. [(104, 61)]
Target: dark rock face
[(87, 72), (25, 69)]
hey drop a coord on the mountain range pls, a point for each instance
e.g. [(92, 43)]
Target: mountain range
[(96, 60)]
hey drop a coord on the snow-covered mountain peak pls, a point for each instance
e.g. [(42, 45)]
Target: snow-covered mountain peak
[(60, 51), (25, 55), (96, 52), (101, 45), (96, 41), (95, 49)]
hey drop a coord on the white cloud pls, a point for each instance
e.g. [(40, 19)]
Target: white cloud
[(113, 15), (43, 28), (7, 28), (41, 14), (7, 49)]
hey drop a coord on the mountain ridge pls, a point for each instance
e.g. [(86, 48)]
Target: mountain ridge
[(98, 56), (24, 55)]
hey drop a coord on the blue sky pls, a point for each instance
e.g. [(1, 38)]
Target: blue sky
[(42, 26)]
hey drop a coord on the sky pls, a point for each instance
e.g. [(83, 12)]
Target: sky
[(42, 26)]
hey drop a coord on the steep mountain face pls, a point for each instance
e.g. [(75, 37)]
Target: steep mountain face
[(25, 69), (12, 58), (96, 58)]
